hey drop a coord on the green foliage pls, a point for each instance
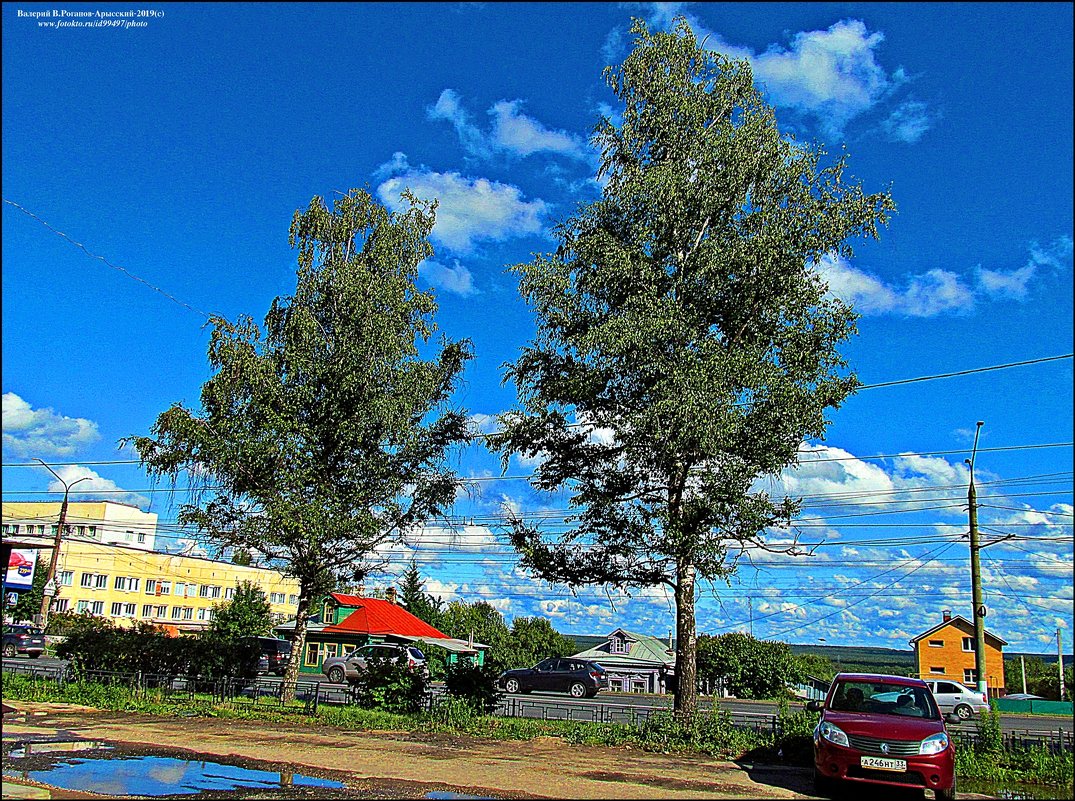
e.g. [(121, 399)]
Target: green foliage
[(1042, 677), (990, 735), (63, 623), (820, 667), (415, 600), (389, 685), (247, 614), (685, 342), (146, 649), (530, 640), (324, 435), (750, 668), (473, 684)]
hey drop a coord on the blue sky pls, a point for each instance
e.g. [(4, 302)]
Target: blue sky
[(178, 151)]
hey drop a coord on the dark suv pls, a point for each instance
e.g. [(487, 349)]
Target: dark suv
[(275, 654), (579, 677), (29, 640)]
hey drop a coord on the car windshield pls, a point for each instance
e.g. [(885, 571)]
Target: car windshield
[(884, 698)]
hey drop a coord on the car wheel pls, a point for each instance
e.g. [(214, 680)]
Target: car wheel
[(578, 690), (336, 675), (824, 786), (949, 794), (964, 711), (511, 686), (9, 650)]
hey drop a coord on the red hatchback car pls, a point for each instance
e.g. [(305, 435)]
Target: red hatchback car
[(882, 730)]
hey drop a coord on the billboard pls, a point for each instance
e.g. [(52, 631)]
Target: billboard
[(20, 569)]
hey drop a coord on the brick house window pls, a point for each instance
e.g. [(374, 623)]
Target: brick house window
[(970, 676), (936, 643), (968, 644), (938, 670)]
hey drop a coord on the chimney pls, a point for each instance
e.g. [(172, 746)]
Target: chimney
[(390, 594), (470, 640), (947, 614)]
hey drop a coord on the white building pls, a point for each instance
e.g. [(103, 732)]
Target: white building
[(106, 522)]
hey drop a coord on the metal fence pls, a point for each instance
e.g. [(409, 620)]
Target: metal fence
[(267, 692)]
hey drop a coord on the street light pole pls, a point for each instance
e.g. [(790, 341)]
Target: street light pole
[(976, 575), (50, 580)]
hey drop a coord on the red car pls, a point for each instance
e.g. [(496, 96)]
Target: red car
[(882, 730)]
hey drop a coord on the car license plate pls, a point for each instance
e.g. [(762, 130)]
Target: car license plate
[(879, 763)]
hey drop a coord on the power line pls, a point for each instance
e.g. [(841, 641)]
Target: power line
[(966, 372), (123, 270)]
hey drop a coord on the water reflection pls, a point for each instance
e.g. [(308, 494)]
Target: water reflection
[(153, 776)]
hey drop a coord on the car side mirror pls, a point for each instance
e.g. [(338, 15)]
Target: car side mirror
[(952, 717), (815, 706)]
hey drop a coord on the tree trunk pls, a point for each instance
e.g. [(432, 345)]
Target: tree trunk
[(686, 697), (291, 673)]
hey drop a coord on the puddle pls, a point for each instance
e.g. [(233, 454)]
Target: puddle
[(37, 748), (1012, 791), (142, 776)]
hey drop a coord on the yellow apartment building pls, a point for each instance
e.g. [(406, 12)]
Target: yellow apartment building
[(127, 583)]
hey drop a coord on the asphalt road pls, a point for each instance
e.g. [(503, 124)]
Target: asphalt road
[(620, 707)]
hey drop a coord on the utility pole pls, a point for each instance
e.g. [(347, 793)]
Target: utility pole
[(976, 574), (1060, 662), (50, 580), (1022, 663)]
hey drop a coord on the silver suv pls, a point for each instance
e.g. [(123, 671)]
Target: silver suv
[(347, 668), (954, 697)]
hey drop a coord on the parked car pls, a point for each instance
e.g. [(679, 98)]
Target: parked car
[(349, 667), (954, 697), (877, 729), (1023, 697), (275, 654), (579, 677), (19, 639)]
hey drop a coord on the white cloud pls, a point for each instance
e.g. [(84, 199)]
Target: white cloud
[(43, 432), (470, 209), (512, 132), (95, 487), (940, 291), (908, 122), (832, 75), (457, 279)]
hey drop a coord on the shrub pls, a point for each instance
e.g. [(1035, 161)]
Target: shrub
[(391, 685), (473, 684)]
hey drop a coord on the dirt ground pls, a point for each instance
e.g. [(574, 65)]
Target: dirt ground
[(401, 765)]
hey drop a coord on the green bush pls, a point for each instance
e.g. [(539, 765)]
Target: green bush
[(473, 684), (391, 685)]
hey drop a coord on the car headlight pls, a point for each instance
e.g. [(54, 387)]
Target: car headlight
[(834, 734), (934, 744)]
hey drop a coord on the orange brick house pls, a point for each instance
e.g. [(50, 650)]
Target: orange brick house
[(946, 651)]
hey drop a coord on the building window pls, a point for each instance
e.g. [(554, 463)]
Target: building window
[(326, 613), (313, 650), (100, 582), (188, 613), (147, 610), (86, 580), (968, 644), (180, 590), (937, 670), (177, 612), (141, 538), (128, 610), (970, 676), (60, 604), (276, 598), (229, 593), (121, 583), (67, 577), (128, 536), (93, 532), (619, 646), (293, 600), (330, 649), (97, 607), (936, 643), (151, 586), (162, 612), (201, 614), (203, 591), (117, 609), (82, 606), (214, 591), (165, 587), (347, 648), (192, 590)]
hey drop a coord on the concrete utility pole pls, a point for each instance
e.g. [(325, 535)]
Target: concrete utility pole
[(976, 574), (1022, 662), (50, 580), (1060, 662)]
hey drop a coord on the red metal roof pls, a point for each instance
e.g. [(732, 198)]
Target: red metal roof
[(375, 616)]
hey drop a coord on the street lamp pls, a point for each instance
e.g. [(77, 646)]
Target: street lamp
[(50, 580)]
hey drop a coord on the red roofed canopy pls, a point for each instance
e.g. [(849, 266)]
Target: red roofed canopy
[(376, 616)]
